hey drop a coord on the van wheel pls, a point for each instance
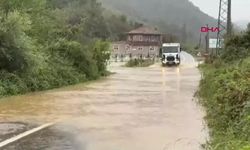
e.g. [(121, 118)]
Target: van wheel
[(179, 63)]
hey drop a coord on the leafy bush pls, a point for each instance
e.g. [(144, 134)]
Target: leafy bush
[(15, 45), (237, 48), (101, 55), (232, 53), (51, 43), (225, 93), (139, 63)]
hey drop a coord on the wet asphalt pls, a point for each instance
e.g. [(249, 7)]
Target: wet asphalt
[(150, 108)]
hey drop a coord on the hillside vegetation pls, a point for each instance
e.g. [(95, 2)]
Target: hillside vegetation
[(225, 94), (51, 43), (178, 17)]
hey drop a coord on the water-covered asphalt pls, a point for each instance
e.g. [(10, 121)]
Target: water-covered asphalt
[(135, 109)]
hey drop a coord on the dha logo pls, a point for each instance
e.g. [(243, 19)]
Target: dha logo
[(207, 29)]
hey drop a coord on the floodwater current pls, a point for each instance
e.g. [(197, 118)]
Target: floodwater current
[(150, 108)]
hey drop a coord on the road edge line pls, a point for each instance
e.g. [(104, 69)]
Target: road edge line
[(24, 134)]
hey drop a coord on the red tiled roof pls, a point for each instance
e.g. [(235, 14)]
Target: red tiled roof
[(145, 30)]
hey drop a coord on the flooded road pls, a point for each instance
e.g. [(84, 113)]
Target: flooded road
[(135, 109)]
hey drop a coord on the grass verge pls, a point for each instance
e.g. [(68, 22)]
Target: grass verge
[(225, 94)]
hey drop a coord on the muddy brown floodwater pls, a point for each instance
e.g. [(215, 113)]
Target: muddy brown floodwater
[(135, 109)]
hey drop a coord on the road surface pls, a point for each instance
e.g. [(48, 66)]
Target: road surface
[(135, 109)]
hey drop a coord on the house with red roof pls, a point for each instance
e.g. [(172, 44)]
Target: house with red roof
[(142, 42)]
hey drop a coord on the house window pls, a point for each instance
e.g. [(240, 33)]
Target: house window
[(152, 48), (127, 47), (116, 47), (140, 48), (130, 38), (140, 38)]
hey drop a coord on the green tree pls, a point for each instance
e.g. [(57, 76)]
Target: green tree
[(51, 43), (15, 46)]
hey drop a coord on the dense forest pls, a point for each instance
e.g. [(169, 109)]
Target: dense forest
[(50, 43), (178, 17), (225, 94)]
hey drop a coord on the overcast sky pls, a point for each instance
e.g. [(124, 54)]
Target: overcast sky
[(240, 8)]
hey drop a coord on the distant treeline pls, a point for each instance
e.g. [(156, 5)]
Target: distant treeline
[(179, 18)]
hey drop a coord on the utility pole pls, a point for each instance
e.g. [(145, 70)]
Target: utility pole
[(229, 18), (207, 41), (224, 22), (199, 42)]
